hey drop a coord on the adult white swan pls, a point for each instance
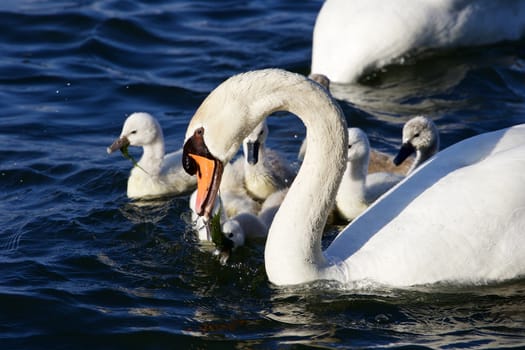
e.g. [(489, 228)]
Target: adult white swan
[(458, 218), (353, 37), (156, 174)]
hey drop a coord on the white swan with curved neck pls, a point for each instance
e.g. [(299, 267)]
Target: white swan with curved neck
[(353, 37), (458, 218)]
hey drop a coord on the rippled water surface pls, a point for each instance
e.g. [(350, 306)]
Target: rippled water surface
[(83, 267)]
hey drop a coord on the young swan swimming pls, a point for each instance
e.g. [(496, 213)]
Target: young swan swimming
[(261, 170), (378, 161), (239, 228), (420, 136), (155, 174), (358, 188)]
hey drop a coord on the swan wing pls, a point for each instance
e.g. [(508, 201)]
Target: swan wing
[(460, 217)]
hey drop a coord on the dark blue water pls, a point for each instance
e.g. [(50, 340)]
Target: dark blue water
[(83, 267)]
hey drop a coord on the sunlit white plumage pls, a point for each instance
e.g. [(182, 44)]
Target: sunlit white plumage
[(353, 37), (156, 174), (459, 218), (359, 189)]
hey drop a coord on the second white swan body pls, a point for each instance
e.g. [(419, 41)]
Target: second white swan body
[(353, 37), (458, 218)]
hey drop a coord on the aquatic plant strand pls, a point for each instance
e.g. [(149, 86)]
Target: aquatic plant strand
[(125, 153)]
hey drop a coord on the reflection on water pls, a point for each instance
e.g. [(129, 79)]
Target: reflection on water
[(436, 83), (437, 316), (464, 91), (405, 90)]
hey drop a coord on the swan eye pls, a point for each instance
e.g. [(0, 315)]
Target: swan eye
[(230, 235), (133, 132)]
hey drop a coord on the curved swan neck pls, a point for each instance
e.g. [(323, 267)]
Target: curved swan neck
[(293, 248), (422, 155), (293, 251), (354, 180)]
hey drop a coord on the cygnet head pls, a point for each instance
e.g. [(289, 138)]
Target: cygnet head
[(233, 231), (419, 135), (233, 238), (358, 145), (140, 129), (254, 141)]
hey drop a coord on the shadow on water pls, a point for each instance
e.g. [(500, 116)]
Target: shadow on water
[(324, 314), (464, 91)]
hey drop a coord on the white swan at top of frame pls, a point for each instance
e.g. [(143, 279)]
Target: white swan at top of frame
[(354, 37)]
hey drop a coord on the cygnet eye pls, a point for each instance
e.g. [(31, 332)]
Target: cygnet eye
[(230, 235)]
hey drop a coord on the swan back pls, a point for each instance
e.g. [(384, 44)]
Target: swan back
[(457, 218), (354, 37)]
